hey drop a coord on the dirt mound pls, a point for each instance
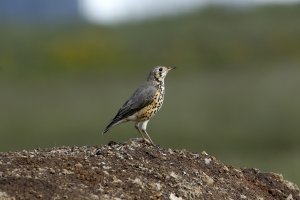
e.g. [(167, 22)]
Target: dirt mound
[(132, 171)]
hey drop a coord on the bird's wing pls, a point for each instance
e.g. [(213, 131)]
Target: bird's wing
[(142, 97)]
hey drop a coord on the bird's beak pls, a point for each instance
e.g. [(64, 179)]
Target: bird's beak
[(170, 68)]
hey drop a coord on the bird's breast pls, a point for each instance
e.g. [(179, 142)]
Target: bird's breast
[(151, 109)]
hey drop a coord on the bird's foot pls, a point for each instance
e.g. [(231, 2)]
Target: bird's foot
[(141, 140), (149, 142), (135, 141)]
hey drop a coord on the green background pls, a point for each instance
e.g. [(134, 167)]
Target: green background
[(235, 93)]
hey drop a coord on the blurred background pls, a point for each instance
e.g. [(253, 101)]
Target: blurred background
[(66, 67)]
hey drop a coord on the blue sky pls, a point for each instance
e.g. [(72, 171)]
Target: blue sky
[(117, 11)]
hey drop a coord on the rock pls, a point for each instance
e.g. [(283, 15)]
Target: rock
[(174, 197), (4, 196), (207, 160), (78, 166), (207, 179), (132, 170), (67, 172), (175, 176), (52, 171), (290, 197), (116, 180)]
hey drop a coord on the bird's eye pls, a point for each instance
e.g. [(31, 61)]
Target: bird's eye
[(160, 69)]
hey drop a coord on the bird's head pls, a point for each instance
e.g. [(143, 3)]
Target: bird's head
[(159, 73)]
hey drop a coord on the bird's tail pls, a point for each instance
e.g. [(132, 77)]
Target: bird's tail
[(114, 121), (107, 127)]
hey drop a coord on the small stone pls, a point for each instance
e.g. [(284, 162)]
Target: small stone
[(4, 196), (290, 185), (106, 196), (28, 176), (198, 191), (225, 168), (158, 194), (78, 165), (156, 186), (98, 152), (174, 197), (116, 180), (243, 196), (105, 172), (106, 167), (207, 179), (170, 151), (109, 152), (41, 169), (138, 182), (67, 172), (172, 174), (207, 161), (119, 156), (94, 197), (290, 197), (52, 171)]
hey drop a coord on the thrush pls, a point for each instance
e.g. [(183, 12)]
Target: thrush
[(144, 102)]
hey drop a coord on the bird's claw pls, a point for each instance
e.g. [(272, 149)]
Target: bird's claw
[(142, 140), (145, 140)]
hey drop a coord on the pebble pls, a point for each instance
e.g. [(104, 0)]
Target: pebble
[(207, 179), (174, 197), (290, 197), (138, 182), (170, 151), (174, 175), (78, 165), (105, 172), (116, 180), (52, 171), (67, 172), (207, 161), (94, 197)]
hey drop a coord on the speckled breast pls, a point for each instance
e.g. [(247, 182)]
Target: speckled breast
[(150, 110)]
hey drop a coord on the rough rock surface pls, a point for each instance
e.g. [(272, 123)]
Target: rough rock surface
[(132, 171)]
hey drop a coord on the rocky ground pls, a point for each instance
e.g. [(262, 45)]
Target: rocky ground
[(133, 170)]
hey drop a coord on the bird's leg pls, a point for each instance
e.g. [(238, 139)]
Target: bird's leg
[(139, 130), (148, 137), (143, 127)]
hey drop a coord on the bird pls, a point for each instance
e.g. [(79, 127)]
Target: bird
[(143, 103)]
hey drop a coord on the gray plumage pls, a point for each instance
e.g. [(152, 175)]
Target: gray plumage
[(142, 97), (144, 102)]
